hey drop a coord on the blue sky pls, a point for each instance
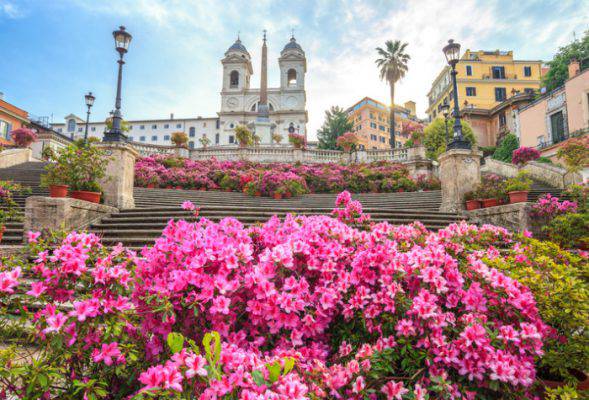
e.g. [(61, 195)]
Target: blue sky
[(54, 51)]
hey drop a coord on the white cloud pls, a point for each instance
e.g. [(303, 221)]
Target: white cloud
[(9, 9)]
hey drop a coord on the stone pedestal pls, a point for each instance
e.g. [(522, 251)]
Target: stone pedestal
[(120, 174), (263, 129), (460, 172), (46, 214), (182, 152)]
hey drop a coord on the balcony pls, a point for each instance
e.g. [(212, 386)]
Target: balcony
[(565, 136), (504, 77)]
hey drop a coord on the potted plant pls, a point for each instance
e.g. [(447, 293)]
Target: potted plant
[(518, 187), (48, 153), (23, 137), (297, 140), (347, 142), (472, 200), (55, 180), (277, 138), (179, 139), (85, 166), (204, 141), (523, 155), (244, 136)]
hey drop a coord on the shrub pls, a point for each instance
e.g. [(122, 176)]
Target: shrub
[(521, 182), (524, 155), (204, 141), (491, 187), (277, 137), (578, 194), (488, 150), (544, 160), (569, 230), (305, 308), (8, 207), (23, 137), (575, 153), (179, 139), (434, 139), (508, 145), (558, 281)]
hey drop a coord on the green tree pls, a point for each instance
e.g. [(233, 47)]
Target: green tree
[(435, 136), (505, 150), (393, 66), (559, 66), (336, 124)]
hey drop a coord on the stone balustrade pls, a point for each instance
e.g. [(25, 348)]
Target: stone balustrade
[(549, 174)]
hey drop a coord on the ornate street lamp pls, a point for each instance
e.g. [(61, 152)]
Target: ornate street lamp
[(446, 112), (452, 53), (89, 103), (115, 134)]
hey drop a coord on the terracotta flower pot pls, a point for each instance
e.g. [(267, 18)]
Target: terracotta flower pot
[(277, 196), (582, 384), (92, 197), (150, 185), (2, 232), (169, 187), (490, 202), (178, 187), (287, 195), (518, 196), (472, 205), (258, 194), (58, 190)]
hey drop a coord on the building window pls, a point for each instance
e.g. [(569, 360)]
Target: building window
[(232, 125), (178, 126), (527, 71), (218, 124), (557, 127), (79, 129), (502, 119), (231, 139), (217, 137), (142, 139), (59, 130), (166, 138), (373, 125), (154, 138), (373, 137), (191, 144), (383, 139), (381, 127), (154, 126), (498, 72), (130, 127), (93, 129), (192, 132), (71, 125), (166, 126), (234, 79), (471, 91), (142, 127), (468, 70), (500, 94), (131, 138), (291, 77)]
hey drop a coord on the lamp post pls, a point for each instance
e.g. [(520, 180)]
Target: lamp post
[(446, 112), (115, 134), (452, 53), (89, 103)]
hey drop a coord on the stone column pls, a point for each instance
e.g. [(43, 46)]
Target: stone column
[(120, 174), (460, 172)]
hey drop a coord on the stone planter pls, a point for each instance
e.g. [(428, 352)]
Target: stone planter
[(58, 191), (518, 196), (473, 205), (490, 203), (582, 385), (92, 197)]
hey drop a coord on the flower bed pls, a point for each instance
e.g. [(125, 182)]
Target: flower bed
[(269, 179), (307, 308)]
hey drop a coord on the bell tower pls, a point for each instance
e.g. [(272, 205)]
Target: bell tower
[(293, 66), (237, 68)]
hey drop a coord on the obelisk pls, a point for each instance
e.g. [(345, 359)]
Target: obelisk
[(262, 124)]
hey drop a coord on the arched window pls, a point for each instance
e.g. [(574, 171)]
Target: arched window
[(71, 125), (234, 79), (192, 132), (291, 77)]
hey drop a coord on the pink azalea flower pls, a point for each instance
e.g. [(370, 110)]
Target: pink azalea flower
[(394, 390), (37, 289), (33, 236), (108, 353)]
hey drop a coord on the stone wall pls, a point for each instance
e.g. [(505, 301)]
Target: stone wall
[(492, 166), (460, 172), (546, 173), (515, 217), (11, 157), (47, 214)]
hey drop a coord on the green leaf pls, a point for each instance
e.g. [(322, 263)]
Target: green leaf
[(175, 342), (289, 363), (258, 377), (274, 371), (213, 358)]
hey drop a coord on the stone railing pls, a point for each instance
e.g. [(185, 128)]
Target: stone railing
[(51, 139), (145, 149), (14, 156), (546, 173)]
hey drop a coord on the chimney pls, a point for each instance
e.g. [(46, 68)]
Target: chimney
[(574, 68), (171, 115)]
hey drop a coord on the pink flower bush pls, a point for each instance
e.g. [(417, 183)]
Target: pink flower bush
[(549, 206), (348, 141), (23, 137), (524, 154), (306, 308)]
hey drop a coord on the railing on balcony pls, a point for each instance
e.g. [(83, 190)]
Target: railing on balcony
[(562, 138)]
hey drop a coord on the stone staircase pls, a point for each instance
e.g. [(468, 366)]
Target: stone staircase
[(155, 207), (29, 175)]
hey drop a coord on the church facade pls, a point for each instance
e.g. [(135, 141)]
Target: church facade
[(240, 105), (286, 103)]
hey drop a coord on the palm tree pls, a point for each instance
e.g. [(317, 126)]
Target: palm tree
[(393, 66)]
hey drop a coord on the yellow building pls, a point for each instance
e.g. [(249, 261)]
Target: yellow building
[(485, 79), (371, 123)]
